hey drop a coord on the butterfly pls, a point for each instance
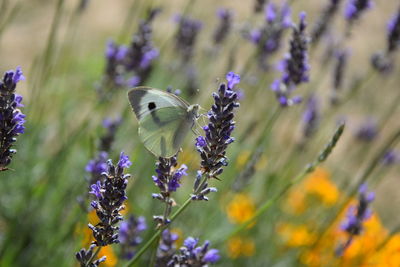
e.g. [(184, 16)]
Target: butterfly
[(164, 119)]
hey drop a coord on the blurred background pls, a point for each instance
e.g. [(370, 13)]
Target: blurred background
[(61, 48)]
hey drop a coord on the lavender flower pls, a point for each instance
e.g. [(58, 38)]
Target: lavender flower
[(129, 235), (390, 157), (142, 53), (268, 38), (186, 36), (190, 255), (97, 166), (324, 21), (224, 27), (110, 195), (212, 147), (114, 74), (353, 224), (368, 131), (355, 8), (295, 66), (311, 117), (107, 139), (297, 63), (127, 66), (167, 180), (166, 248), (84, 256), (11, 118), (394, 33), (384, 61)]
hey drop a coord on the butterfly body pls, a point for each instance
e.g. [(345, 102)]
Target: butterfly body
[(164, 119)]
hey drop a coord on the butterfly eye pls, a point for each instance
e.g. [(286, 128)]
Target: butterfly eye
[(151, 105)]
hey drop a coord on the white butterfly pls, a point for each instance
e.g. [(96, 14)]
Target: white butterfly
[(164, 119)]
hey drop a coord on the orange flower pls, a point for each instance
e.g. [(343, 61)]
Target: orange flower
[(296, 235), (318, 183), (240, 209), (240, 247)]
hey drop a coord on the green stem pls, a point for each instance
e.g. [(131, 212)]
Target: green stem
[(309, 168), (157, 234), (362, 179), (94, 256)]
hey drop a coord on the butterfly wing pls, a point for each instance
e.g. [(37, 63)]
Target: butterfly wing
[(145, 99), (163, 120), (163, 130)]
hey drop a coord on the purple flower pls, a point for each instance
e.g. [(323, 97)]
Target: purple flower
[(212, 147), (355, 8), (124, 161), (368, 131), (268, 37), (110, 195), (186, 36), (356, 215), (212, 256), (339, 71), (295, 66), (190, 242), (232, 79), (166, 248), (129, 235), (200, 141), (98, 165), (127, 66), (225, 25), (96, 189), (391, 157), (190, 255), (394, 33), (168, 180), (12, 120), (18, 76)]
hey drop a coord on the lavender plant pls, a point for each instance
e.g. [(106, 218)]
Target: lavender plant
[(225, 24), (129, 235), (295, 66), (110, 195), (11, 118), (212, 147), (127, 66), (324, 21), (353, 224), (384, 61), (186, 36), (166, 248), (190, 255), (168, 180), (268, 37)]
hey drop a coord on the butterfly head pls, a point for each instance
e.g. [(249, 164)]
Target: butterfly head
[(193, 110)]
